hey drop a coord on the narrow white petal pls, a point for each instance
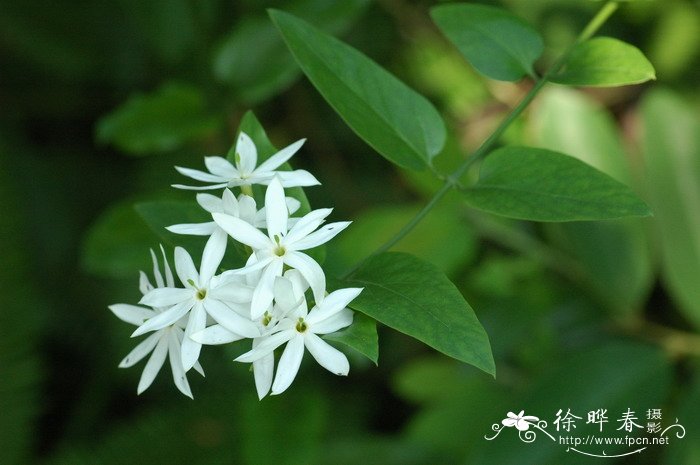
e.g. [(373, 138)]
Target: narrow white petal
[(247, 154), (248, 210), (307, 224), (251, 268), (230, 204), (215, 335), (284, 294), (310, 270), (229, 319), (297, 178), (190, 349), (334, 323), (210, 203), (276, 213), (276, 160), (262, 372), (184, 266), (166, 296), (267, 345), (299, 284), (200, 188), (140, 351), (264, 291), (231, 290), (169, 280), (293, 205), (200, 175), (211, 257), (181, 337), (164, 319), (193, 229), (198, 368), (131, 313), (323, 235), (179, 376), (220, 167), (156, 271), (242, 231), (144, 284), (327, 356), (153, 365), (333, 303), (289, 363)]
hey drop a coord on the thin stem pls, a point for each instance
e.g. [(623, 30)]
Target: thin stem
[(453, 179)]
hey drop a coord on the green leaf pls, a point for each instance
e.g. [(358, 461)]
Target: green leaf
[(414, 297), (671, 149), (361, 336), (497, 43), (257, 76), (687, 450), (540, 185), (614, 254), (605, 62), (159, 122), (396, 121)]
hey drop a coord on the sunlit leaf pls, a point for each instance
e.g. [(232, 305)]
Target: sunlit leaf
[(396, 121), (497, 43), (541, 185)]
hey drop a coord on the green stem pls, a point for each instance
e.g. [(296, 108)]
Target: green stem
[(485, 148)]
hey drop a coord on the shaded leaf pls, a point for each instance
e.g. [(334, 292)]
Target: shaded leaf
[(605, 62), (396, 121), (541, 185), (497, 43), (414, 297), (361, 336)]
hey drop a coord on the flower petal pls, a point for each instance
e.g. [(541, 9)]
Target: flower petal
[(201, 188), (215, 335), (323, 235), (220, 167), (266, 346), (246, 154), (264, 291), (241, 231), (210, 203), (200, 175), (336, 322), (307, 224), (179, 376), (145, 285), (164, 319), (140, 351), (230, 320), (166, 296), (332, 304), (190, 348), (156, 271), (230, 204), (276, 160), (248, 210), (310, 270), (193, 229), (131, 313), (276, 213), (327, 356), (169, 280), (289, 364), (297, 178), (153, 365), (262, 372), (211, 257), (231, 290), (293, 205), (185, 268), (284, 295)]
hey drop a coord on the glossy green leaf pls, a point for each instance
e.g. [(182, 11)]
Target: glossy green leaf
[(361, 336), (414, 297), (497, 43), (396, 121), (158, 122), (671, 149), (605, 62), (257, 76), (614, 254), (541, 185)]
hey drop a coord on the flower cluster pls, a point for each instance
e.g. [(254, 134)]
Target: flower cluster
[(265, 301)]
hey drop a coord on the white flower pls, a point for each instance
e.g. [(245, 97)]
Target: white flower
[(520, 421), (281, 246), (203, 294), (299, 330), (242, 207), (223, 174), (165, 341)]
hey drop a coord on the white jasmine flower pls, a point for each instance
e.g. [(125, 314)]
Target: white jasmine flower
[(166, 341), (224, 174), (203, 294), (300, 330), (242, 207), (282, 245)]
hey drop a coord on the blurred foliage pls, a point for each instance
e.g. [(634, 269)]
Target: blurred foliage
[(600, 314)]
